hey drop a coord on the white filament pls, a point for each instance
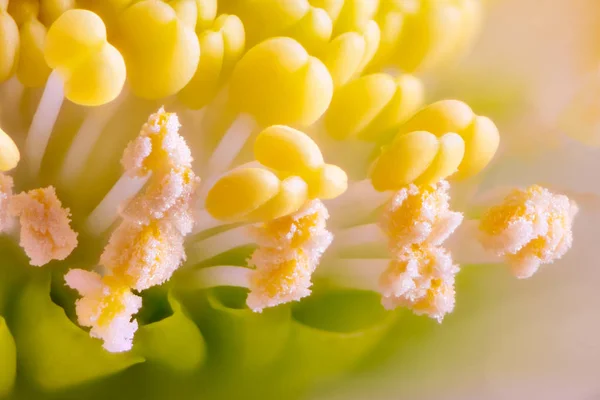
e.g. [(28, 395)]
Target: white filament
[(43, 122)]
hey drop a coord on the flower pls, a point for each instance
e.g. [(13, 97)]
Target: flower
[(334, 202)]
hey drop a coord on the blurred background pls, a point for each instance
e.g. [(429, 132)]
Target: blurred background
[(510, 339)]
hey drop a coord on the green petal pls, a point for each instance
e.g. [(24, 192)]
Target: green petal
[(331, 333), (8, 360), (174, 342), (243, 339), (53, 352)]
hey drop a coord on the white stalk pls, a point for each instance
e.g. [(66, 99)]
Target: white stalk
[(359, 201), (231, 144), (359, 235), (208, 248), (106, 213), (43, 122), (86, 138), (223, 275)]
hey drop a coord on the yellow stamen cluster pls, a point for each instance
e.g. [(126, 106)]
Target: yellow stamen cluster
[(161, 50), (424, 34), (421, 278), (221, 46), (371, 105), (531, 227), (92, 69), (283, 196), (295, 89), (297, 173), (439, 140), (107, 307), (417, 220), (45, 231), (290, 249), (147, 247), (416, 215)]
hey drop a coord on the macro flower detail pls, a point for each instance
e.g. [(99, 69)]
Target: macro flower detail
[(530, 228), (345, 160), (45, 231), (106, 306), (416, 215), (289, 220), (420, 278)]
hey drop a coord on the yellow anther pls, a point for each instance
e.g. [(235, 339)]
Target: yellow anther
[(206, 13), (97, 80), (531, 227), (404, 160), (440, 118), (419, 214), (427, 35), (107, 306), (45, 231), (313, 31), (370, 106), (481, 142), (355, 15), (422, 279), (6, 192), (292, 195), (24, 10), (465, 142), (449, 157), (93, 70), (9, 45), (287, 150), (279, 277), (344, 56), (291, 152), (220, 48), (161, 51), (9, 152), (50, 10), (295, 89), (186, 10), (356, 104), (265, 19), (32, 69), (240, 192), (407, 99), (327, 182), (331, 7)]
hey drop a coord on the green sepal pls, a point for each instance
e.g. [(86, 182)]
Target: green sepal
[(332, 331), (8, 360), (53, 352), (174, 343), (243, 339)]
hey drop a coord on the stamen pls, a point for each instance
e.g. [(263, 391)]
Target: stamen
[(422, 279), (45, 231), (280, 277), (418, 214), (6, 192), (107, 306), (147, 247), (531, 227), (143, 255)]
